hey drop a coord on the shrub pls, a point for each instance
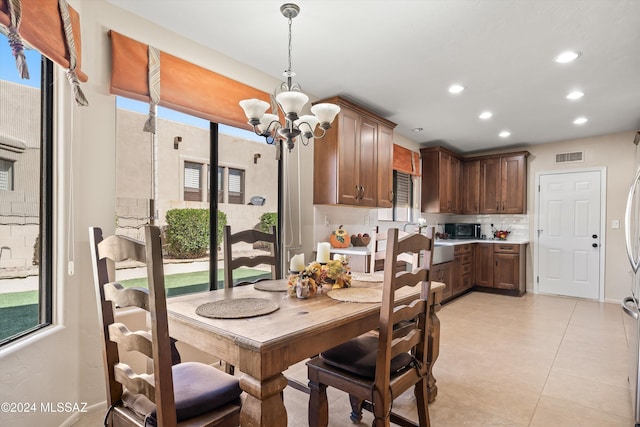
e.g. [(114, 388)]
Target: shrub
[(188, 232), (267, 220), (222, 221)]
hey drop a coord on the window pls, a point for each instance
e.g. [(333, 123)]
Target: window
[(403, 196), (236, 186), (192, 190), (26, 136), (6, 174)]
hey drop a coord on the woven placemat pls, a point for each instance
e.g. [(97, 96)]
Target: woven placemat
[(237, 308), (279, 286), (356, 294), (367, 277)]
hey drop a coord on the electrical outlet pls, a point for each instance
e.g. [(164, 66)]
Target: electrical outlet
[(615, 223), (327, 221)]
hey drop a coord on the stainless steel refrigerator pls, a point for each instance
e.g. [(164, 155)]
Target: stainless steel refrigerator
[(631, 303)]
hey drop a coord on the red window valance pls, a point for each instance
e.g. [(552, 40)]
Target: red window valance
[(42, 28), (185, 87)]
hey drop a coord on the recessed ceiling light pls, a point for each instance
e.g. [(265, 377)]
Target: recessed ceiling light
[(417, 129), (567, 56), (580, 121), (456, 88), (576, 94), (485, 115), (504, 134)]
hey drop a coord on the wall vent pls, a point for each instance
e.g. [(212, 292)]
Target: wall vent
[(574, 157)]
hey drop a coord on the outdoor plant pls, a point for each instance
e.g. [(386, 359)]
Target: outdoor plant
[(267, 220), (187, 232)]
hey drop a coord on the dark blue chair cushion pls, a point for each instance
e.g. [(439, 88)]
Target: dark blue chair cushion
[(198, 389), (358, 356)]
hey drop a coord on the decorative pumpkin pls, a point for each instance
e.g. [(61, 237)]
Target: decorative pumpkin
[(340, 238)]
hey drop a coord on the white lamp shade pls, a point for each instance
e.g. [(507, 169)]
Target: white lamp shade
[(291, 101), (266, 121), (325, 112), (307, 123), (254, 108)]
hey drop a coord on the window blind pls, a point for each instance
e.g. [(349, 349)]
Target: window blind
[(235, 180), (6, 174), (191, 175)]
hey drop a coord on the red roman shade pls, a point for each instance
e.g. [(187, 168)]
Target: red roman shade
[(42, 28), (405, 160), (185, 87)]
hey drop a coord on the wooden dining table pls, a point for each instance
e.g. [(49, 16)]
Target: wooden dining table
[(263, 347)]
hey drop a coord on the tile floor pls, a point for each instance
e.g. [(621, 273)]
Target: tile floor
[(504, 361)]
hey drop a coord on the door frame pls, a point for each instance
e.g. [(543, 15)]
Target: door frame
[(603, 223)]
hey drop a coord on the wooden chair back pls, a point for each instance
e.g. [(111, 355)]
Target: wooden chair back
[(154, 344), (377, 247), (250, 236), (414, 338)]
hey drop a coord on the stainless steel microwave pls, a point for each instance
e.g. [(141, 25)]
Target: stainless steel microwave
[(462, 231)]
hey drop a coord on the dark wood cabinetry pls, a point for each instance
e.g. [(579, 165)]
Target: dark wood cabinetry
[(471, 187), (500, 266), (462, 267), (441, 176), (483, 264), (503, 184), (353, 162), (442, 273), (495, 184)]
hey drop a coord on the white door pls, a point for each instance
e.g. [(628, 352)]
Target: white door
[(569, 234)]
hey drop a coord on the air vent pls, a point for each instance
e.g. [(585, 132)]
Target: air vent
[(575, 157)]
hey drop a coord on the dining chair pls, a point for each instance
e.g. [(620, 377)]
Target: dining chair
[(375, 368), (377, 248), (186, 394), (250, 236)]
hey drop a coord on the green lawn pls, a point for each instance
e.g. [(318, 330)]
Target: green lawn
[(19, 310)]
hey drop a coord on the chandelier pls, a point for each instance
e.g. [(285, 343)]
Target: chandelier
[(290, 100)]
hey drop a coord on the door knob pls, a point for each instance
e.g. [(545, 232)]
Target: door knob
[(595, 236), (595, 245)]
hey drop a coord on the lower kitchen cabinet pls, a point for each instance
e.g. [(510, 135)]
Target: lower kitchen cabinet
[(442, 273), (500, 266), (462, 268)]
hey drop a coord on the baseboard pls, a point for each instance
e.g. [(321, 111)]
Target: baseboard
[(76, 416)]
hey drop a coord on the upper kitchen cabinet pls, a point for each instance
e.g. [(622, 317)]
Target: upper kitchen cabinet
[(471, 187), (503, 188), (353, 163), (441, 177)]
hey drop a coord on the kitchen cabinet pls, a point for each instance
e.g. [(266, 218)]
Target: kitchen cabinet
[(462, 267), (503, 184), (441, 176), (500, 266), (509, 267), (353, 162), (471, 187), (385, 166), (442, 273), (483, 264)]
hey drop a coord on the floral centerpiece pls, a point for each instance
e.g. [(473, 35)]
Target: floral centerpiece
[(336, 273)]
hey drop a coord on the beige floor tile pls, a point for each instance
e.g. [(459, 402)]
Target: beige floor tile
[(552, 412), (589, 393)]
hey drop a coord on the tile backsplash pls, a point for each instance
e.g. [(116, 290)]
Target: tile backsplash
[(362, 220)]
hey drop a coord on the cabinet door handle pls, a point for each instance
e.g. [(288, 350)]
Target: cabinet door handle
[(498, 206), (392, 194), (357, 192), (503, 206), (361, 192)]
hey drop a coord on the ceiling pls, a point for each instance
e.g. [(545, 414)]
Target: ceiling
[(399, 57)]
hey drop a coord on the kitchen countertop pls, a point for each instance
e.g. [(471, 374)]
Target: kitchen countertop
[(454, 242)]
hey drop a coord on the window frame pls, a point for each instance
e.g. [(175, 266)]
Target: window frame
[(46, 208), (10, 174), (236, 197)]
